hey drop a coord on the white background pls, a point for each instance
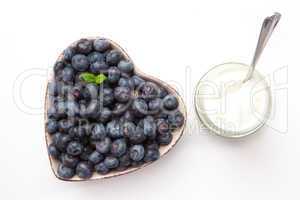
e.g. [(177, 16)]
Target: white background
[(177, 41)]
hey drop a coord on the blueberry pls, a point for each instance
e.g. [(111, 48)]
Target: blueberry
[(74, 148), (86, 153), (105, 115), (62, 142), (150, 118), (58, 104), (83, 109), (80, 62), (138, 136), (128, 129), (137, 80), (58, 76), (149, 127), (162, 115), (58, 66), (84, 46), (59, 109), (68, 53), (165, 138), (53, 113), (51, 126), (65, 172), (152, 145), (162, 126), (126, 82), (60, 99), (154, 105), (139, 107), (101, 168), (96, 157), (91, 91), (118, 147), (114, 75), (125, 75), (91, 110), (175, 119), (151, 155), (122, 94), (69, 161), (75, 92), (111, 162), (77, 131), (120, 108), (162, 93), (125, 66), (101, 45), (99, 67), (85, 95), (137, 152), (106, 96), (68, 64), (53, 151), (68, 74), (56, 98), (51, 101), (84, 170), (170, 102), (125, 160), (137, 163), (53, 88), (56, 138), (65, 90), (72, 108), (127, 116), (104, 145), (85, 141), (95, 56), (98, 132), (113, 57), (65, 124), (148, 90), (113, 129)]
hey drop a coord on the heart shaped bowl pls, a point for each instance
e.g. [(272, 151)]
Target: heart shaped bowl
[(177, 133)]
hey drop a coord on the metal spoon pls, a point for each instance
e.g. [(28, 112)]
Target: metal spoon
[(267, 28)]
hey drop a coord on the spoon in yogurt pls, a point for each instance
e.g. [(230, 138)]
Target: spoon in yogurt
[(267, 28), (233, 99)]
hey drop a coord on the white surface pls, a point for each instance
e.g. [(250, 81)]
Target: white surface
[(230, 107), (178, 41)]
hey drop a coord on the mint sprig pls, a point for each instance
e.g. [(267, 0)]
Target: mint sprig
[(92, 78), (100, 78)]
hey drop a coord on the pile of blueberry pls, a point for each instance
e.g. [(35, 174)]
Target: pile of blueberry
[(113, 125)]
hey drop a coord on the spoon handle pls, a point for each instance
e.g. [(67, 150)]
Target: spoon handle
[(267, 28)]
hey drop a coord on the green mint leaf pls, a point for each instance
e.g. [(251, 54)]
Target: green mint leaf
[(88, 77), (100, 78)]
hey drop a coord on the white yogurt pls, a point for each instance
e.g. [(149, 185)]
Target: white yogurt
[(229, 107)]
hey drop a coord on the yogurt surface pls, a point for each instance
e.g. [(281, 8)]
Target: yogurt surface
[(229, 107)]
